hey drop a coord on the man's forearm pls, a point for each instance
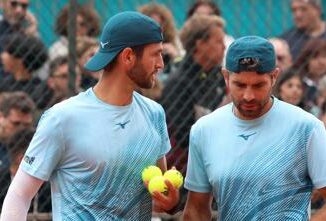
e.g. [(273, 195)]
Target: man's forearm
[(320, 215), (14, 208), (194, 215)]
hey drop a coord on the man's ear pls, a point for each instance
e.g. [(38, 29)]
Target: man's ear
[(226, 75), (2, 117), (50, 82), (128, 57), (275, 75)]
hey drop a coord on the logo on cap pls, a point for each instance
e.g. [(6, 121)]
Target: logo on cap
[(250, 53), (103, 44), (249, 62)]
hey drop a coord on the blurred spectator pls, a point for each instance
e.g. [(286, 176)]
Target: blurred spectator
[(322, 115), (283, 55), (58, 80), (204, 7), (171, 44), (16, 18), (208, 7), (289, 88), (22, 56), (321, 91), (307, 16), (16, 113), (17, 146), (87, 24), (317, 108), (311, 64), (197, 87), (86, 48)]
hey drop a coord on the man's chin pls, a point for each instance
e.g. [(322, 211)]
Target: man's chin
[(148, 86), (301, 26), (250, 114)]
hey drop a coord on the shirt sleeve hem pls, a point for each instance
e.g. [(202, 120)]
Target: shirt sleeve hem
[(31, 171), (197, 188), (320, 184)]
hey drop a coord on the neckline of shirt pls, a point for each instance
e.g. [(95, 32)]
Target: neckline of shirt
[(257, 120), (107, 105)]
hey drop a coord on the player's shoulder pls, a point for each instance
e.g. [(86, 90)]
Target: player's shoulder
[(147, 104), (220, 115), (69, 106), (291, 33), (289, 112)]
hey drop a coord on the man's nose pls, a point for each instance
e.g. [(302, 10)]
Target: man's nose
[(248, 95)]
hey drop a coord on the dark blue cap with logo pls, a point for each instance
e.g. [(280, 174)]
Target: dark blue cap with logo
[(126, 29), (251, 53)]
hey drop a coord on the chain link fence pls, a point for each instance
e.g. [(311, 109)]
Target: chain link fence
[(44, 45)]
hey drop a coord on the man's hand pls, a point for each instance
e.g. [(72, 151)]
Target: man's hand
[(320, 215), (32, 28), (163, 202)]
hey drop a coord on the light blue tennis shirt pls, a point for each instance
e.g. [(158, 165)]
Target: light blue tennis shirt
[(93, 154), (262, 169)]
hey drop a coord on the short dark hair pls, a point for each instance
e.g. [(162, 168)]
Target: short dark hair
[(212, 5), (323, 107), (312, 49), (139, 49), (17, 101), (198, 27), (57, 62), (288, 74), (19, 142), (89, 15), (30, 49)]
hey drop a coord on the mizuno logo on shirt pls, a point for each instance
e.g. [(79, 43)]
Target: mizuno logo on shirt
[(246, 137), (123, 125), (29, 159)]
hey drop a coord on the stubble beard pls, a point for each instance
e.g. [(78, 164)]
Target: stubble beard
[(251, 114), (139, 76)]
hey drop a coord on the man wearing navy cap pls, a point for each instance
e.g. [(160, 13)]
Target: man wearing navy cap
[(94, 146), (258, 157)]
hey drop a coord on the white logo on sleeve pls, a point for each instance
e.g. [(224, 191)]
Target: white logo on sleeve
[(103, 44)]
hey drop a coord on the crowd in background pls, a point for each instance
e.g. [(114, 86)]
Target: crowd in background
[(33, 77)]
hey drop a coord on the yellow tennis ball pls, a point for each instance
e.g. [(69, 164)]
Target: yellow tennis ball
[(150, 172), (175, 177), (157, 184)]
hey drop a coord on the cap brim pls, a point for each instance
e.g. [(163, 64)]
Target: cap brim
[(100, 60)]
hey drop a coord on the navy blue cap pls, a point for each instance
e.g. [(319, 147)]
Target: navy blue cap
[(126, 29), (251, 53)]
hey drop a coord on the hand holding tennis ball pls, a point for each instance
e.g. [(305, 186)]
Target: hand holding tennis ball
[(158, 184), (150, 172), (155, 181), (165, 195), (164, 189), (175, 177)]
